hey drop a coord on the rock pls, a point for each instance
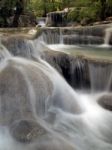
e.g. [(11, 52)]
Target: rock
[(53, 143), (93, 35), (23, 90), (85, 21), (106, 102), (20, 45), (26, 131), (25, 20), (109, 18), (74, 69), (56, 18)]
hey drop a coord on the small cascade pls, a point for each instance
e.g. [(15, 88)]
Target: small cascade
[(79, 75), (108, 33), (24, 48), (61, 37), (51, 36), (84, 36), (101, 77)]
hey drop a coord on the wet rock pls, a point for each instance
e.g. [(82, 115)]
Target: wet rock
[(53, 143), (74, 69), (26, 131), (93, 35), (82, 39), (106, 102), (19, 46), (85, 21), (56, 19), (77, 69), (23, 90)]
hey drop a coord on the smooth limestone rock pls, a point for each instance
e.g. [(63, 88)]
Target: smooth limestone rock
[(37, 137), (77, 35), (74, 69), (24, 88), (105, 101), (26, 131), (21, 42), (19, 46), (77, 69)]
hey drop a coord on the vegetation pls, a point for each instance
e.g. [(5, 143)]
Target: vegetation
[(91, 10)]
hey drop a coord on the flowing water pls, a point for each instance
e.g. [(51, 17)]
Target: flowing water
[(107, 36), (40, 111)]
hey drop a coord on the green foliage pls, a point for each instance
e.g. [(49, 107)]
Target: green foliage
[(92, 9), (109, 8), (43, 6), (73, 15), (89, 7), (79, 13), (82, 3), (89, 12), (8, 3)]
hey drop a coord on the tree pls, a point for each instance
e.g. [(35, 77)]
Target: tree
[(102, 9), (19, 10)]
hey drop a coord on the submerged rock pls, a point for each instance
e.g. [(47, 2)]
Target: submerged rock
[(26, 130)]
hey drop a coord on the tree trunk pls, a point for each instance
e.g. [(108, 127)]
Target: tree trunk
[(103, 9), (16, 20), (18, 12)]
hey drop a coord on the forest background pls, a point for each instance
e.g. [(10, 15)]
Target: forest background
[(93, 10)]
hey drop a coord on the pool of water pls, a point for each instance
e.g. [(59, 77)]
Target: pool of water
[(99, 52)]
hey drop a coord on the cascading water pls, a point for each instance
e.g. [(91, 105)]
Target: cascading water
[(108, 33), (39, 110), (56, 37), (101, 77)]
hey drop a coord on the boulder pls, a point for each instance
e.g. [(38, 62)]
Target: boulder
[(105, 101), (24, 88), (26, 131)]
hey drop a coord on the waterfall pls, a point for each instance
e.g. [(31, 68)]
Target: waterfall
[(100, 76), (108, 33), (71, 36), (40, 110), (61, 37)]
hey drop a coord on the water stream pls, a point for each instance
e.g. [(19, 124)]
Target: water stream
[(39, 110), (108, 33)]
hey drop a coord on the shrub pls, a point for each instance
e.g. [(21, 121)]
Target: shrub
[(88, 13), (73, 15)]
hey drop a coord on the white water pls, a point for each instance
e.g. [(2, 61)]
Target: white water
[(101, 77), (59, 41), (78, 122), (108, 33)]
